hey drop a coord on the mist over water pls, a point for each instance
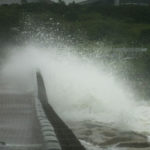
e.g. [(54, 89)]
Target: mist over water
[(78, 88)]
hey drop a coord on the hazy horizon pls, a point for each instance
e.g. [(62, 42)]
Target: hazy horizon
[(10, 1), (69, 1)]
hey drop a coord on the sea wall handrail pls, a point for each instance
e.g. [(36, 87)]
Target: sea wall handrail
[(66, 137)]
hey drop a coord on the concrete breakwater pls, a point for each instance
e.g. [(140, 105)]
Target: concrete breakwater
[(67, 139)]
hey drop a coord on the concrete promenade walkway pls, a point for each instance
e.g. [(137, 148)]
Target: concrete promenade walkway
[(19, 126)]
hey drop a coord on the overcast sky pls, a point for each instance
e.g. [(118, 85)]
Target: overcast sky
[(68, 1)]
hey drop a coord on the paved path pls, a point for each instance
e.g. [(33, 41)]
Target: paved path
[(19, 127)]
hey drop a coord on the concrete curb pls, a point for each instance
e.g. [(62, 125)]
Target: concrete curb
[(50, 140)]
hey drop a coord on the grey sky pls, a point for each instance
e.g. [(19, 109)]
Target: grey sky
[(68, 1), (17, 1)]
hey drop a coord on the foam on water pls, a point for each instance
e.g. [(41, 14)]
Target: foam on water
[(89, 146), (78, 88)]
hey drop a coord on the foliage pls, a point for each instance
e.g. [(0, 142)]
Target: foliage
[(97, 22)]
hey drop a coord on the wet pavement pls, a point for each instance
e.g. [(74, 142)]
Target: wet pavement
[(19, 126)]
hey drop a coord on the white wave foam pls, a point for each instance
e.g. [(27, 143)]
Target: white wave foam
[(78, 88)]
